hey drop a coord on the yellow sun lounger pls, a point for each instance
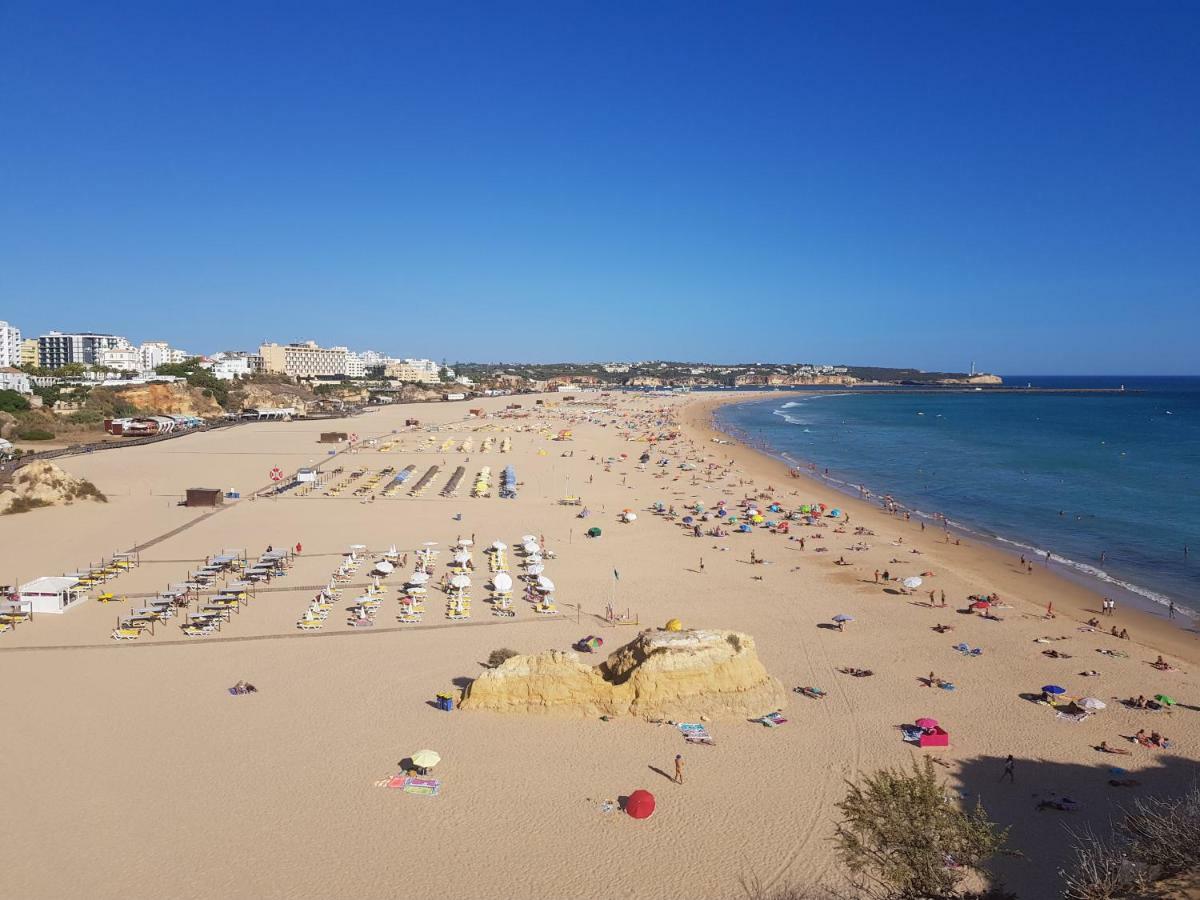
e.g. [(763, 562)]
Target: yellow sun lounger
[(126, 634)]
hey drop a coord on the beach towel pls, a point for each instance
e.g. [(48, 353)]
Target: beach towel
[(695, 733), (424, 787), (1071, 717), (771, 720), (911, 733)]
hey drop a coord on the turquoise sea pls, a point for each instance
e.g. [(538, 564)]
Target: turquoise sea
[(1077, 474)]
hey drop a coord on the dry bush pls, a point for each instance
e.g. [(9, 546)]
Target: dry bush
[(497, 657)]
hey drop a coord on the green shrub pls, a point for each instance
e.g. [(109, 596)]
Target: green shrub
[(35, 434), (497, 657), (11, 401), (25, 504)]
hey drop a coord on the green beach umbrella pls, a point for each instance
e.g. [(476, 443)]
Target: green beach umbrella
[(1164, 699)]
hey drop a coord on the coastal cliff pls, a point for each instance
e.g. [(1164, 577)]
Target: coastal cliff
[(657, 675), (170, 399)]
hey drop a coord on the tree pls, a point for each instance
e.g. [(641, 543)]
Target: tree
[(904, 836)]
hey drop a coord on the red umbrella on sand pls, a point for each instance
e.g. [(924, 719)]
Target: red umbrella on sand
[(640, 804)]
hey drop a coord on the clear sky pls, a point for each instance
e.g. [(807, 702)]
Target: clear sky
[(929, 184)]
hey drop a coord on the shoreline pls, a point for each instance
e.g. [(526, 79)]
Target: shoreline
[(1086, 575), (1072, 599)]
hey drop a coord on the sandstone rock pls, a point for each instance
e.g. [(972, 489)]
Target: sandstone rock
[(45, 484), (675, 675), (175, 398)]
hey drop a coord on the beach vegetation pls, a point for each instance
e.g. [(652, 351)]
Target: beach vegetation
[(497, 657), (904, 835), (1157, 838), (22, 504), (197, 376), (35, 434), (12, 401)]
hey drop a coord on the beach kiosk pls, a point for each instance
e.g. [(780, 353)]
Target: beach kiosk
[(204, 497), (52, 594)]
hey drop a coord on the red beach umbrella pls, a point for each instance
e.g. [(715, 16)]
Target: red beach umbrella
[(640, 804), (981, 604)]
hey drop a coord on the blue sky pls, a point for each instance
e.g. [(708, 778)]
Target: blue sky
[(918, 184)]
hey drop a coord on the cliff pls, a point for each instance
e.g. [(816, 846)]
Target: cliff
[(973, 379), (676, 675), (176, 398), (44, 484), (272, 395)]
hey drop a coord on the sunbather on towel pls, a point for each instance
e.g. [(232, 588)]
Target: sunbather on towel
[(1104, 748)]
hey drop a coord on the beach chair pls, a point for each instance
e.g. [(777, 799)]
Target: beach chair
[(126, 634)]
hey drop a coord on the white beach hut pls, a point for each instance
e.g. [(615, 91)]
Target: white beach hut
[(52, 594)]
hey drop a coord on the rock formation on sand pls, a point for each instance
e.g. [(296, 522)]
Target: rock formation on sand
[(663, 674), (44, 484)]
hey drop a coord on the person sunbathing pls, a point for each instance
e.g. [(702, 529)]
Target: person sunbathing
[(856, 672), (1124, 635), (1089, 673), (1055, 654), (1093, 623), (942, 629), (1104, 748), (1162, 665), (1063, 804)]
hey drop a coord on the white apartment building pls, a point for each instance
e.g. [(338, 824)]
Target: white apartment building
[(14, 380), (303, 360), (159, 353), (356, 366), (123, 359), (10, 345)]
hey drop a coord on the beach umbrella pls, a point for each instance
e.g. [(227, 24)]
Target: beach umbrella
[(466, 542), (384, 567), (1164, 699), (461, 557), (529, 537), (842, 617), (926, 723), (835, 512), (536, 569), (688, 520), (430, 544), (502, 581), (912, 582), (630, 517), (460, 581), (1053, 689), (418, 578), (499, 545), (545, 584), (426, 759), (530, 547), (640, 804), (674, 625), (981, 604), (1090, 703)]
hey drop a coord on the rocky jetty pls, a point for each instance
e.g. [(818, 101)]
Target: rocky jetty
[(661, 675)]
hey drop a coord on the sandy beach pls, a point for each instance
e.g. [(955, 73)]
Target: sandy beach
[(134, 773)]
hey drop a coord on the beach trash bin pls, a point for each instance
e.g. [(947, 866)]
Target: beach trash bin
[(445, 702)]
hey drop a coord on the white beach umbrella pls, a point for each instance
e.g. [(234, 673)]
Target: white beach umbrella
[(1091, 703), (530, 547), (466, 542), (502, 581), (418, 578), (630, 517), (529, 537), (460, 581), (537, 569), (384, 567), (461, 557), (545, 584), (392, 551), (912, 581), (500, 545), (357, 548)]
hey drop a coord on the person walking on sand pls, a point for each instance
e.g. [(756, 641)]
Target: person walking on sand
[(678, 768), (1171, 609), (877, 576), (702, 565), (1008, 770)]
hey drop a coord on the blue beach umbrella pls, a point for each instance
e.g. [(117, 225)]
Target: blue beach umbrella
[(1053, 689)]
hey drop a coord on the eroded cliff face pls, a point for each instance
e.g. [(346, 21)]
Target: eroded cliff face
[(42, 484), (675, 675), (175, 398)]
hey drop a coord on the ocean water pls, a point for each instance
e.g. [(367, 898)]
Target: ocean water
[(1076, 474)]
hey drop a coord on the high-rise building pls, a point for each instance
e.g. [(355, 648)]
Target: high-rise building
[(10, 345), (303, 360), (123, 359), (56, 349), (423, 371), (29, 352), (159, 353)]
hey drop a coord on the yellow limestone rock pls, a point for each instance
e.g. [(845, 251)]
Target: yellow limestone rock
[(662, 674)]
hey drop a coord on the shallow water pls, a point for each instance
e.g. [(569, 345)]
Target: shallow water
[(1077, 474)]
